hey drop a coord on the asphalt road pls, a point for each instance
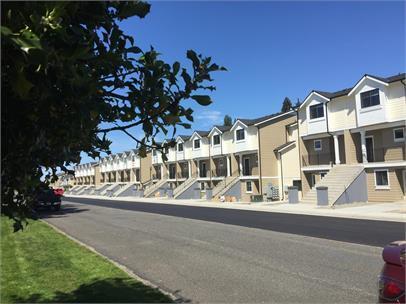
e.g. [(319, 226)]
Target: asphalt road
[(367, 232), (208, 261)]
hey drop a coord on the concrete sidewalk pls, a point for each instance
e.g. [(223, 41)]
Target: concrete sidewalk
[(395, 211)]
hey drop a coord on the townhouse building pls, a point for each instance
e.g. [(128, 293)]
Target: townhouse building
[(355, 135), (345, 140)]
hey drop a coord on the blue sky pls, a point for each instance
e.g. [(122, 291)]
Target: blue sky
[(273, 50)]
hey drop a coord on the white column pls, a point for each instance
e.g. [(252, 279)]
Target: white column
[(189, 169), (363, 147), (228, 166), (198, 168), (336, 150), (241, 169)]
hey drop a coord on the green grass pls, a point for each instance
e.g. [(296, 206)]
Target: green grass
[(42, 265)]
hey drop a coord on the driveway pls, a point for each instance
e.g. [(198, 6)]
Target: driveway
[(206, 261)]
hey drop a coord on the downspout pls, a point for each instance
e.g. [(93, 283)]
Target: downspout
[(260, 162), (298, 145), (283, 191), (210, 162), (328, 132)]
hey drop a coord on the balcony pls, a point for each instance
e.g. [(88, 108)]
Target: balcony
[(317, 159), (386, 154)]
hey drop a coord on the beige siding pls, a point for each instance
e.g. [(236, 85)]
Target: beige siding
[(395, 192), (385, 147), (146, 170), (396, 104), (246, 197), (342, 113), (271, 136), (302, 121), (313, 157)]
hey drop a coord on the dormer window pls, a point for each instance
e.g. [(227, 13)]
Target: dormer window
[(216, 140), (154, 152), (316, 111), (196, 144), (180, 147), (370, 98), (240, 134)]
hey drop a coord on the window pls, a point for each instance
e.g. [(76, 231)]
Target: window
[(240, 134), (216, 140), (154, 152), (322, 175), (370, 98), (316, 111), (196, 143), (249, 187), (297, 183), (381, 179), (399, 135), (180, 147), (317, 145), (202, 186)]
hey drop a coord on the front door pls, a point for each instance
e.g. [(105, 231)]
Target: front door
[(203, 172), (246, 166), (369, 142)]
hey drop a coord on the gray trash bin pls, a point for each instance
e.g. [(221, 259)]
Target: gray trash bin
[(141, 193), (322, 196), (169, 193), (209, 194), (135, 192), (293, 195)]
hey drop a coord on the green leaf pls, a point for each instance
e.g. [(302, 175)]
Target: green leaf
[(203, 100), (176, 67), (5, 31), (134, 49), (192, 56), (27, 40)]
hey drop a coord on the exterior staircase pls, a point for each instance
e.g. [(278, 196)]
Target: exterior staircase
[(225, 185), (184, 186), (100, 189), (153, 188), (124, 188), (338, 179)]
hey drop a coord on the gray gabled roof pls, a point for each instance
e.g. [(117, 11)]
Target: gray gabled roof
[(285, 145), (344, 92), (250, 122), (202, 133)]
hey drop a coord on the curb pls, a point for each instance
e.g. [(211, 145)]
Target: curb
[(172, 296)]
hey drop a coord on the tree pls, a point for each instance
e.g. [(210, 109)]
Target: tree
[(70, 76), (287, 105), (297, 103), (228, 121)]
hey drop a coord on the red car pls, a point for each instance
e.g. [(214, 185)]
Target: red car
[(58, 191), (392, 278)]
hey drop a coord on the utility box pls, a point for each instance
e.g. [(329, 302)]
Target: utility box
[(293, 194), (196, 193), (209, 194), (322, 196)]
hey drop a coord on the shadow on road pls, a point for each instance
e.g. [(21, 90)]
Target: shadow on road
[(65, 210)]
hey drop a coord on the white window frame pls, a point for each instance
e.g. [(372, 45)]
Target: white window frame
[(399, 139), (240, 140), (314, 145), (382, 186), (246, 186), (317, 118), (213, 144), (200, 144)]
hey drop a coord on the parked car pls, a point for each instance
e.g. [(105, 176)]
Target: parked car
[(47, 199), (392, 277), (59, 191)]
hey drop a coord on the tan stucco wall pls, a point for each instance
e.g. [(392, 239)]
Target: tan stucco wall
[(395, 192), (351, 144), (97, 176), (325, 156)]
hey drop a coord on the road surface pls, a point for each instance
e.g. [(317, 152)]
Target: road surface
[(206, 260)]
